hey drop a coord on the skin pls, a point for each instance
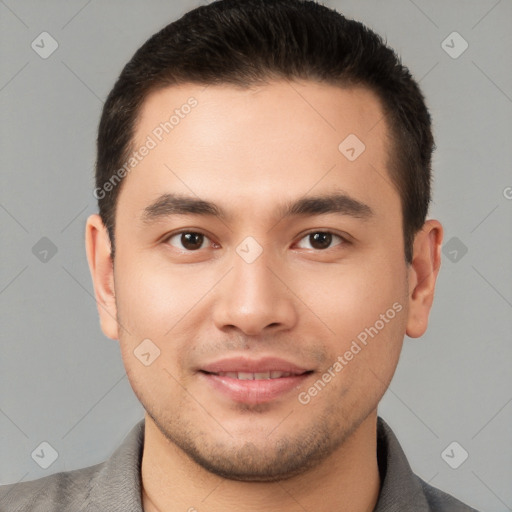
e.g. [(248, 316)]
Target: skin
[(250, 151)]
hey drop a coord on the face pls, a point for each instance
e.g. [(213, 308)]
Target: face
[(263, 263)]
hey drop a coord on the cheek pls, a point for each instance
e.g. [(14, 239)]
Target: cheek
[(160, 303), (365, 309), (349, 298), (150, 303), (151, 299)]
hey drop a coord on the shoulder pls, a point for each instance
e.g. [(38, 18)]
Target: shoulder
[(440, 501), (51, 493), (401, 488), (112, 485)]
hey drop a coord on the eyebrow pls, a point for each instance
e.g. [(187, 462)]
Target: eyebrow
[(333, 203), (167, 205), (176, 204)]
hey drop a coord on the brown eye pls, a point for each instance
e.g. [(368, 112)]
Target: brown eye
[(188, 240), (319, 240)]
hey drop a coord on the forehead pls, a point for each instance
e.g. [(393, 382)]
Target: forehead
[(261, 144), (330, 111)]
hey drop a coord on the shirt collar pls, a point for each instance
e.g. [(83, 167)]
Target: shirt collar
[(117, 485), (400, 487)]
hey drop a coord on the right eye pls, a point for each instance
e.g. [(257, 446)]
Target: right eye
[(188, 240)]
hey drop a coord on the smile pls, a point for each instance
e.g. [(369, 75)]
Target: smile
[(254, 376)]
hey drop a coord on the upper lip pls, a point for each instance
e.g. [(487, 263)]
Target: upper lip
[(245, 364)]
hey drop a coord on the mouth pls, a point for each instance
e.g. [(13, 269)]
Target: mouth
[(255, 376), (247, 381)]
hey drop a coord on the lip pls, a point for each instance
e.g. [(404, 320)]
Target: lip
[(245, 364), (253, 391)]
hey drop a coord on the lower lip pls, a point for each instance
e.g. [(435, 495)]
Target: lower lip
[(254, 391)]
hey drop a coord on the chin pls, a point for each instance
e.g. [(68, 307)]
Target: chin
[(268, 458)]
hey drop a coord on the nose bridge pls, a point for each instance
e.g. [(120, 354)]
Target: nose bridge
[(252, 298), (253, 280)]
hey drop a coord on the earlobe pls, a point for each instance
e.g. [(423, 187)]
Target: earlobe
[(423, 273), (102, 272)]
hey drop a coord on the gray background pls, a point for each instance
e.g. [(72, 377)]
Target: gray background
[(63, 382)]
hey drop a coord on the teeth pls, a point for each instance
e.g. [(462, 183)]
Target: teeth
[(255, 376), (262, 375)]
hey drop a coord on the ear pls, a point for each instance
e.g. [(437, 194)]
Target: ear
[(423, 271), (98, 247)]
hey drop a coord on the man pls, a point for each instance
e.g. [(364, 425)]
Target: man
[(262, 248)]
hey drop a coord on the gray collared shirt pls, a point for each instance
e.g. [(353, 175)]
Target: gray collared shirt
[(115, 485)]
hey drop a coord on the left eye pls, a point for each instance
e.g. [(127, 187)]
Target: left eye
[(188, 240), (319, 240)]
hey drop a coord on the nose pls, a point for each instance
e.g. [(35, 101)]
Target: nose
[(254, 298)]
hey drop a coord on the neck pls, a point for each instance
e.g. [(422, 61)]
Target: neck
[(347, 481)]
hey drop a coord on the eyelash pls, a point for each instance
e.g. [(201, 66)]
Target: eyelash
[(344, 240)]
